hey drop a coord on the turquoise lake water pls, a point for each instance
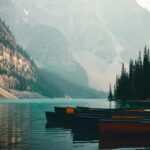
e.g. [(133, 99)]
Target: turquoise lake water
[(23, 126)]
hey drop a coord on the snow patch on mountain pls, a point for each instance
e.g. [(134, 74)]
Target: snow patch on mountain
[(26, 12)]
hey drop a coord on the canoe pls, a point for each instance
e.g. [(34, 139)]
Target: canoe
[(127, 117), (60, 109), (124, 133), (99, 111), (64, 110), (115, 127), (61, 115), (58, 124), (94, 110), (84, 115), (93, 121), (117, 142), (50, 115), (57, 117), (106, 110), (112, 113)]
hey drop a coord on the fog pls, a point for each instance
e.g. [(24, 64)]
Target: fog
[(85, 38)]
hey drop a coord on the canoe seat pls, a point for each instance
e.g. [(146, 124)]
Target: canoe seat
[(70, 110), (127, 117)]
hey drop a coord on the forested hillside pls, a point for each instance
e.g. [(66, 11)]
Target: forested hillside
[(135, 84), (19, 72)]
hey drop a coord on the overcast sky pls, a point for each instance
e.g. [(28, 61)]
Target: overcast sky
[(144, 3)]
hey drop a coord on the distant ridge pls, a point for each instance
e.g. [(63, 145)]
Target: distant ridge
[(18, 72)]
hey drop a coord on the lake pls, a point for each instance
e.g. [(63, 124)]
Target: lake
[(23, 126)]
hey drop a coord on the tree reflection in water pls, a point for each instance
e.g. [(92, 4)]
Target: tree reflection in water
[(14, 122)]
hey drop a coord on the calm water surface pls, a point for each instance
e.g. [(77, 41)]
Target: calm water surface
[(23, 126)]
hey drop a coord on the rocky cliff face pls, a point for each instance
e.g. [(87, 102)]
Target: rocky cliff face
[(99, 33), (17, 71), (20, 76), (49, 48)]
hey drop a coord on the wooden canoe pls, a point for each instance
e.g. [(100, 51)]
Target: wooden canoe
[(98, 111), (116, 142), (110, 128), (60, 118), (81, 117), (58, 124), (90, 109), (112, 112), (64, 110)]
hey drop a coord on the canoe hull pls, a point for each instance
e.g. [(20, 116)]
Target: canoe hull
[(123, 128), (60, 118), (124, 134), (115, 142)]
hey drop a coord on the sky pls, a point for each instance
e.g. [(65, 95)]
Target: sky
[(144, 3)]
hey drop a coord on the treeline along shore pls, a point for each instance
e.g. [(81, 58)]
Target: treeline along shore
[(135, 83)]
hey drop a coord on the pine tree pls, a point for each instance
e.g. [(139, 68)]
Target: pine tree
[(131, 85), (110, 96), (136, 83)]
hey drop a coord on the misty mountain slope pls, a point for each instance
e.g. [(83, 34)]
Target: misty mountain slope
[(130, 26), (53, 85), (100, 34), (46, 44), (49, 49), (19, 73)]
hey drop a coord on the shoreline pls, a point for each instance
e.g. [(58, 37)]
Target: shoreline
[(6, 94)]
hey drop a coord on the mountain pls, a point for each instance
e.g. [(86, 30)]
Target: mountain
[(20, 75), (98, 34), (44, 40), (49, 48), (52, 85), (17, 70)]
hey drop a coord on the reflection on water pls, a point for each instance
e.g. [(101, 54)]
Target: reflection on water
[(79, 133), (23, 126), (14, 127), (85, 134), (133, 104)]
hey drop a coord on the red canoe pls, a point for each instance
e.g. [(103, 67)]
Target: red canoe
[(111, 128), (124, 142)]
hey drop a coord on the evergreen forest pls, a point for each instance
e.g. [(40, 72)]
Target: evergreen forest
[(135, 83)]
